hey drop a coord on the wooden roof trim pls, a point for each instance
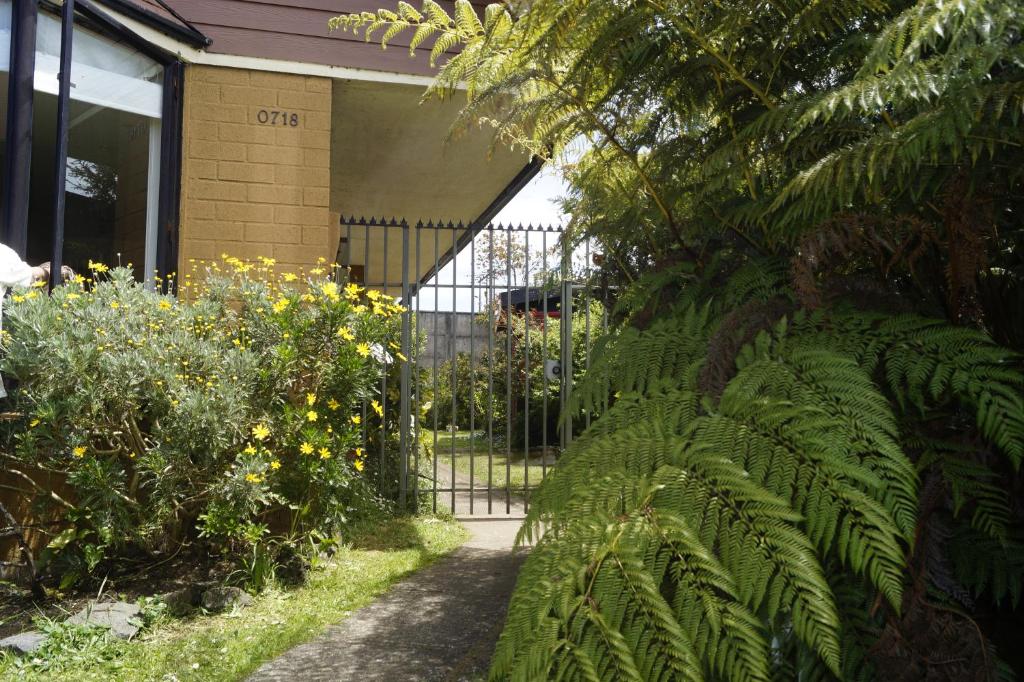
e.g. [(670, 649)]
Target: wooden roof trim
[(170, 22)]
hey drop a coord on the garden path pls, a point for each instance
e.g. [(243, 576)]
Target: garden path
[(441, 624)]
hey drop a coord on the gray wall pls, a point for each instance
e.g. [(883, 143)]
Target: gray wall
[(448, 332)]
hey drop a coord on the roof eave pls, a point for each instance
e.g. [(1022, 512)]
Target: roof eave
[(184, 32)]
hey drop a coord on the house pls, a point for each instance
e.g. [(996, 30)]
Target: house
[(200, 127)]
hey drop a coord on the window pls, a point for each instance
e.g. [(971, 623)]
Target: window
[(5, 73), (114, 142), (123, 158)]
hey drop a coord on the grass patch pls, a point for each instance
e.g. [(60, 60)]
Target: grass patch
[(232, 645)]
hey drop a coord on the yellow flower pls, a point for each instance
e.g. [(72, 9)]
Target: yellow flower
[(312, 416), (352, 291), (250, 449), (377, 408), (17, 298), (97, 267), (253, 478), (164, 305), (260, 432), (33, 424), (359, 465), (324, 453), (346, 333), (309, 298), (306, 448), (74, 297), (79, 279), (330, 290), (373, 295), (115, 305), (311, 399), (359, 452), (267, 261), (402, 357), (333, 404), (316, 271), (39, 285), (289, 277), (363, 349), (357, 420), (275, 465), (79, 451), (281, 305)]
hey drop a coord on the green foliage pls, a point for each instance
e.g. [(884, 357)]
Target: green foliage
[(706, 520), (812, 212), (227, 414), (230, 646)]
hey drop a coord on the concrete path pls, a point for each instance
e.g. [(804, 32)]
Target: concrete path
[(440, 624)]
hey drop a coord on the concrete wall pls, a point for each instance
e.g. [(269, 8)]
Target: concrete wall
[(445, 332), (251, 187)]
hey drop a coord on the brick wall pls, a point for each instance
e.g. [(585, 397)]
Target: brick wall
[(249, 187)]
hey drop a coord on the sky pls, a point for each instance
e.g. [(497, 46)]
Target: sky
[(535, 204)]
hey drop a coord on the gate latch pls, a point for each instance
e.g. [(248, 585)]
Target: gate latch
[(553, 369)]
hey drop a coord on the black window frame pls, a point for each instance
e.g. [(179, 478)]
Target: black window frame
[(20, 102)]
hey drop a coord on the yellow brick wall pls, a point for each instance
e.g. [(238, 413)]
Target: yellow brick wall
[(250, 188)]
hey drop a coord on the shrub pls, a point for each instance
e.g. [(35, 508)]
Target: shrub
[(227, 414)]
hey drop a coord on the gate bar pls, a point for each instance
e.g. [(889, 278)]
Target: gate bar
[(406, 343), (472, 374), (567, 370), (544, 332), (433, 452), (454, 329), (526, 373), (508, 368), (490, 372)]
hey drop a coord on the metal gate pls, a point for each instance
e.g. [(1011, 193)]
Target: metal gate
[(499, 320)]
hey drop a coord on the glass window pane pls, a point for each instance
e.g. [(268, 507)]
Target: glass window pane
[(5, 72), (113, 152)]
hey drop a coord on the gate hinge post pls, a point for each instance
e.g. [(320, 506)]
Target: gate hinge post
[(405, 413)]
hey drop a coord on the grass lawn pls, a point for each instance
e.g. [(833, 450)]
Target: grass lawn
[(232, 645), (475, 449)]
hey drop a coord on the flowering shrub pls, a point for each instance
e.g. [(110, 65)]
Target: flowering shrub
[(227, 414)]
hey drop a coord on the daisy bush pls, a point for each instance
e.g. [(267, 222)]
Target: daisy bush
[(220, 418)]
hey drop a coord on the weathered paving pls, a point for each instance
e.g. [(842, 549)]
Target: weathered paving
[(440, 624)]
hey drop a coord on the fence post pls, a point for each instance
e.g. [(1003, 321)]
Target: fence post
[(405, 379)]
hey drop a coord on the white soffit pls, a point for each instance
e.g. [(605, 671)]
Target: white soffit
[(390, 158)]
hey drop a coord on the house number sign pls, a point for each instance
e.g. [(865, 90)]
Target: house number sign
[(272, 117)]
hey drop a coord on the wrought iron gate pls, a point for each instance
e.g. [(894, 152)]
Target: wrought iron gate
[(475, 417)]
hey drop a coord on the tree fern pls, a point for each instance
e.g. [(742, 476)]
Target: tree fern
[(800, 453), (771, 491)]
